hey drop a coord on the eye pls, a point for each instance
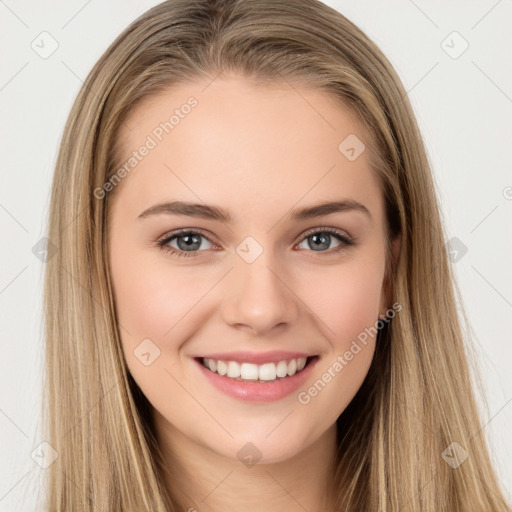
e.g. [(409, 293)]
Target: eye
[(188, 242), (321, 238)]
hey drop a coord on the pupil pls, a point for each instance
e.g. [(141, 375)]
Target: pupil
[(322, 239), (189, 241)]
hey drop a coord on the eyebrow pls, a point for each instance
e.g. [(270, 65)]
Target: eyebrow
[(211, 212)]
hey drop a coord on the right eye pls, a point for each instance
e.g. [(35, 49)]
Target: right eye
[(188, 242)]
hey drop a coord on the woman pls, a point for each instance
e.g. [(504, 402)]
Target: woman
[(251, 303)]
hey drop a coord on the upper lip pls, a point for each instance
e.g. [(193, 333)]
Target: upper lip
[(273, 356)]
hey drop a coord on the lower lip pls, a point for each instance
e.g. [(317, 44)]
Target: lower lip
[(258, 391)]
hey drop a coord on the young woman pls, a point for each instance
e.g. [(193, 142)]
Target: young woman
[(251, 306)]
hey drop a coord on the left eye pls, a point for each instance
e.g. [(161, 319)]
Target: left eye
[(322, 240)]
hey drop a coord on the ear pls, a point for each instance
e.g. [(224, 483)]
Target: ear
[(391, 264)]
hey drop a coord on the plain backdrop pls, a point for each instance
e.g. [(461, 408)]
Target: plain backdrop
[(455, 61)]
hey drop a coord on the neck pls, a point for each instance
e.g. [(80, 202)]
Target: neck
[(204, 480)]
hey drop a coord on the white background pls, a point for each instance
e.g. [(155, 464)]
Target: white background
[(463, 105)]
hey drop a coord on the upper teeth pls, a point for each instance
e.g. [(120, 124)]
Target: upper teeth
[(250, 371)]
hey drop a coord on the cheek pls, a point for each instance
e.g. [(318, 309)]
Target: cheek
[(349, 301), (349, 307), (151, 297), (152, 303)]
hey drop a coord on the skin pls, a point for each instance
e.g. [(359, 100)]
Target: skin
[(258, 151)]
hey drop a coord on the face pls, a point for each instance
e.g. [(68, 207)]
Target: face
[(248, 272)]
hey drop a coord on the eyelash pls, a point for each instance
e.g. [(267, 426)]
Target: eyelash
[(162, 243)]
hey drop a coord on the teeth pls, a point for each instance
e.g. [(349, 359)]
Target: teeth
[(222, 368), (282, 369), (267, 371), (249, 371), (233, 369)]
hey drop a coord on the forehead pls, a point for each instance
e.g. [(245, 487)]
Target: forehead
[(250, 145)]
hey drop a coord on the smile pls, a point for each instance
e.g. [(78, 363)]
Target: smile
[(256, 377), (253, 372)]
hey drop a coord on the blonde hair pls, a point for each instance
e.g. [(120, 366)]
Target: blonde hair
[(417, 397)]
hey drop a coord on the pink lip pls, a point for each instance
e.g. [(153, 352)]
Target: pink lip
[(254, 357), (258, 391)]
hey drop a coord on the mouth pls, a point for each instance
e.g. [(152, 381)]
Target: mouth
[(252, 372), (251, 382)]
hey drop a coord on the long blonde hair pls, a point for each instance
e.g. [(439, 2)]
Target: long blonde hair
[(417, 399)]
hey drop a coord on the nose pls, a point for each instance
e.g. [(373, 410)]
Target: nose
[(259, 298)]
